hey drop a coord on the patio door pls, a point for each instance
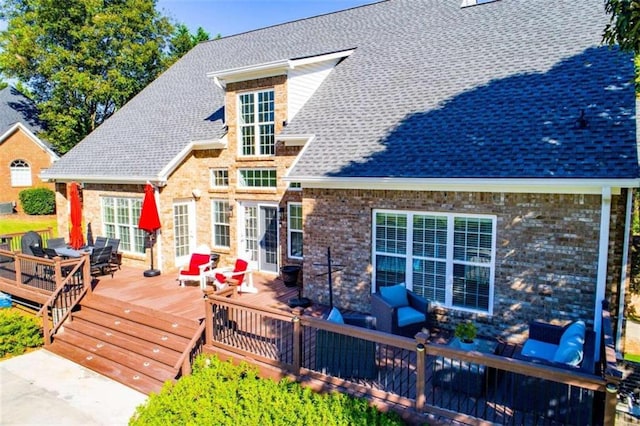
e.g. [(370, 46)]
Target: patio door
[(184, 228), (259, 235)]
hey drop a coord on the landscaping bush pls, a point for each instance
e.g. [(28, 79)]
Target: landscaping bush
[(220, 393), (18, 332), (38, 201)]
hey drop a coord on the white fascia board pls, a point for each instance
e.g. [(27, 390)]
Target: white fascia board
[(193, 145), (269, 69), (122, 180), (210, 143), (30, 135), (296, 140), (542, 186)]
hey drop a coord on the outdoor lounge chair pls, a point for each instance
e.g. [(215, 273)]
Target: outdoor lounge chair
[(100, 261), (199, 263), (236, 275), (399, 311)]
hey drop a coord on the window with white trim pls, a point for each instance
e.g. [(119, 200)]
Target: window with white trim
[(20, 173), (294, 229), (256, 123), (120, 220), (220, 223), (447, 258), (295, 186), (257, 178), (219, 178)]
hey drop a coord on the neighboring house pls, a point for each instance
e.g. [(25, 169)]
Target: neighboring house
[(23, 156), (482, 155)]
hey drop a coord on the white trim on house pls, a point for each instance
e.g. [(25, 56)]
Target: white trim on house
[(295, 140), (603, 259), (30, 135), (623, 271), (546, 186), (270, 69)]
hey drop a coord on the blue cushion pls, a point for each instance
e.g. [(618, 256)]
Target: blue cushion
[(570, 351), (537, 349), (407, 315), (576, 329), (335, 316), (395, 295)]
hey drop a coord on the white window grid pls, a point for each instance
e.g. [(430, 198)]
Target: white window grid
[(257, 178), (219, 178), (220, 223), (20, 173), (448, 258), (256, 123), (120, 220), (295, 231)]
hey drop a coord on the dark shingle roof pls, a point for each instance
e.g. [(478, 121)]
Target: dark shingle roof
[(17, 108), (432, 91)]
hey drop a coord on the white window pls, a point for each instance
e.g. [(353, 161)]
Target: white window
[(257, 178), (120, 220), (219, 178), (20, 173), (220, 223), (256, 123), (447, 258), (295, 186), (294, 229)]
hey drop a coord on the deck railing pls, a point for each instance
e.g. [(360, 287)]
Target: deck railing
[(425, 377), (13, 241)]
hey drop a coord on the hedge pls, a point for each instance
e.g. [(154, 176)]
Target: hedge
[(38, 201)]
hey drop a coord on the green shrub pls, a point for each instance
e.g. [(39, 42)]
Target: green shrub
[(38, 201), (18, 332), (220, 393)]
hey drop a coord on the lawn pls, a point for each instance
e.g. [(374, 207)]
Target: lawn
[(10, 224)]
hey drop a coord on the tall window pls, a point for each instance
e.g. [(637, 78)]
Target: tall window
[(256, 125), (20, 173), (120, 218), (257, 178), (220, 223), (219, 178), (294, 229), (447, 258)]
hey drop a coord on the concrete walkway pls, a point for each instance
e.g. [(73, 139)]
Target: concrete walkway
[(41, 388)]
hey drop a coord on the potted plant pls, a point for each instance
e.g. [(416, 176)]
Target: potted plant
[(466, 331)]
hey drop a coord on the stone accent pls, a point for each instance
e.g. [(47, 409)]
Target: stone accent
[(542, 240), (19, 146)]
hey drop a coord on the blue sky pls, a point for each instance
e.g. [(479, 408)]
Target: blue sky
[(227, 17)]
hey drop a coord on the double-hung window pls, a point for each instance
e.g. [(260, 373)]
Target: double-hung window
[(219, 178), (447, 258), (120, 218), (220, 223), (20, 173), (256, 124), (294, 229)]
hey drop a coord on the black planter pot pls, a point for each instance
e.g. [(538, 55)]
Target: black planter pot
[(290, 274)]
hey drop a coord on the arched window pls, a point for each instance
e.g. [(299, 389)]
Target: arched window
[(20, 173)]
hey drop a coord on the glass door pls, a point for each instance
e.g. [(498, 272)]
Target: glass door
[(184, 229), (259, 235)]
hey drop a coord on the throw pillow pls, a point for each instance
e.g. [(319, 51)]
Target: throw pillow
[(395, 295), (335, 316), (570, 353), (576, 329)]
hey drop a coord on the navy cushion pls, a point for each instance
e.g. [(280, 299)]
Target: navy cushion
[(407, 315), (395, 295)]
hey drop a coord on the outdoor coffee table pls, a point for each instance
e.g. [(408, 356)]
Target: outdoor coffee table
[(463, 376)]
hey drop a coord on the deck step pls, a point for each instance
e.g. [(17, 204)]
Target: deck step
[(132, 345), (106, 367)]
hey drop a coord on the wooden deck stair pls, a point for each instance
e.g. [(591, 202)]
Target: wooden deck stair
[(133, 345)]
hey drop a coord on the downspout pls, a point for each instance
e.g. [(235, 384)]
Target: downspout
[(603, 256), (623, 274)]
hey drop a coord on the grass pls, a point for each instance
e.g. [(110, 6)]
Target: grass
[(23, 223), (632, 357)]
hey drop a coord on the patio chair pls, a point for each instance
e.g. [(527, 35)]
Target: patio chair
[(56, 242), (100, 261), (399, 311), (100, 242), (115, 257), (199, 264), (45, 271), (225, 276)]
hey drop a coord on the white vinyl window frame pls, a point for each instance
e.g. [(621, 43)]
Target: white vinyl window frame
[(220, 226), (398, 250), (256, 123), (257, 178), (120, 217), (219, 178), (20, 173), (295, 231)]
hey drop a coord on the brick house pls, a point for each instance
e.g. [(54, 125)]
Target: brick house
[(23, 155), (484, 155)]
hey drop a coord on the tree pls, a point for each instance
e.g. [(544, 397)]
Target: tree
[(182, 41), (82, 59), (624, 25)]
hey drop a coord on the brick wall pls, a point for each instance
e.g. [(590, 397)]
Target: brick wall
[(542, 239), (19, 146)]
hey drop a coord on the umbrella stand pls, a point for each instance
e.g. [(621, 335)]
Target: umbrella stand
[(151, 272)]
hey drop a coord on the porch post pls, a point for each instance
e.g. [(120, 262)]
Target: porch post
[(603, 255), (297, 342)]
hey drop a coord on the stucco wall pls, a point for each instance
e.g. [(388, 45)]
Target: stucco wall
[(19, 146), (541, 240)]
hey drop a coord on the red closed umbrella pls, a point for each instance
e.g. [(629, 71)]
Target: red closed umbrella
[(150, 222), (76, 237)]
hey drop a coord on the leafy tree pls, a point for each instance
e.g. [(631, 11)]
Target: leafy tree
[(82, 59), (624, 25), (182, 41)]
